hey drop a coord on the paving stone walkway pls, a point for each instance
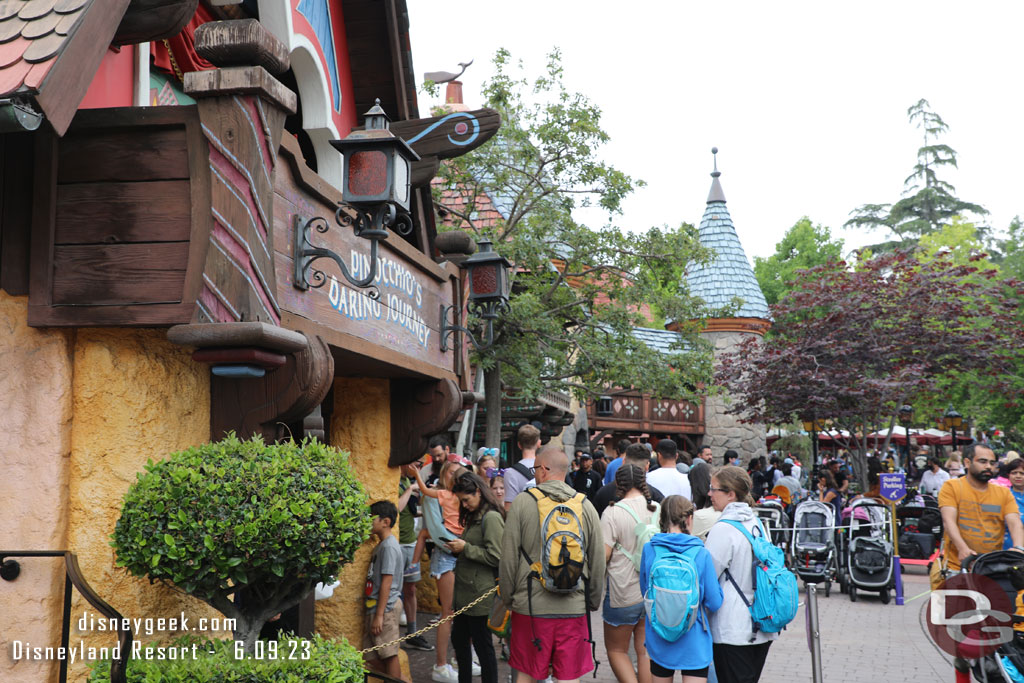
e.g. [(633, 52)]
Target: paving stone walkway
[(862, 642)]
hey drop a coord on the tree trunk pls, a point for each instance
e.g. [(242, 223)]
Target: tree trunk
[(492, 402), (247, 630)]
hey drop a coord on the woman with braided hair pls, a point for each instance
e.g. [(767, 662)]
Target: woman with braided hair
[(623, 612)]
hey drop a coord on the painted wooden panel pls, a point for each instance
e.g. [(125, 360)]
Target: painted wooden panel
[(141, 153), (118, 212), (119, 273), (406, 319)]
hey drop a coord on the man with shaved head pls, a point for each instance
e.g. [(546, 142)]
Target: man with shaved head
[(553, 630)]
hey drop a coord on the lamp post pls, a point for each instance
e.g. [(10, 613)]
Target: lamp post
[(487, 272), (906, 413), (812, 426), (952, 421), (374, 197)]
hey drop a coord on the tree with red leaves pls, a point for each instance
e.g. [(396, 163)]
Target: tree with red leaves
[(853, 344)]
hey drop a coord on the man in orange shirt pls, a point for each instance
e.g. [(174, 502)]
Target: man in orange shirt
[(975, 515)]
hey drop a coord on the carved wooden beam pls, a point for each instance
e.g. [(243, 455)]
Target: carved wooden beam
[(445, 137), (148, 20), (261, 405), (419, 410)]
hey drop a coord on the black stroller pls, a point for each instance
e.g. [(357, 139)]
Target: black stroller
[(868, 549), (920, 527), (772, 513), (1006, 568), (814, 547)]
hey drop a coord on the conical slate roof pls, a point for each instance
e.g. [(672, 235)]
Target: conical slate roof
[(729, 275)]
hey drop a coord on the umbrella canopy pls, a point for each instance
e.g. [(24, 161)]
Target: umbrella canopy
[(937, 437)]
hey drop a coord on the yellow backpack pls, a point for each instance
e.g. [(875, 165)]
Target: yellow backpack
[(563, 554), (563, 551)]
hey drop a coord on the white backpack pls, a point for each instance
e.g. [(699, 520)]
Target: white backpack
[(643, 531)]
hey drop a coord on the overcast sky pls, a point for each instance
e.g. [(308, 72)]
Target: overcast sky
[(806, 101)]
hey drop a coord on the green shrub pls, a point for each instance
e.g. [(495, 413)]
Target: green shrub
[(282, 661), (275, 518)]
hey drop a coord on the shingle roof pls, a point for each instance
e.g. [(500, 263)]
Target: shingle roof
[(659, 340), (50, 50), (729, 275)]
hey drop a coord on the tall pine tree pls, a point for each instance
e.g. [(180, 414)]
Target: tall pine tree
[(928, 201)]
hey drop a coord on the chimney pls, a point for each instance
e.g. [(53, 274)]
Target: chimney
[(453, 97)]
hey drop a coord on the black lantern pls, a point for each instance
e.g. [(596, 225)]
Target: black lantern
[(487, 272), (488, 275), (377, 165), (813, 427), (375, 196), (952, 421)]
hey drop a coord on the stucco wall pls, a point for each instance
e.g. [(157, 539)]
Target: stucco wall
[(35, 443), (723, 431), (361, 425), (136, 396)]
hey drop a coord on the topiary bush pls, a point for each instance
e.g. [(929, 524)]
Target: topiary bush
[(288, 660), (274, 518)]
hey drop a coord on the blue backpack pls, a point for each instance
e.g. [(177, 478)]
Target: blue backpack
[(776, 595), (672, 601)]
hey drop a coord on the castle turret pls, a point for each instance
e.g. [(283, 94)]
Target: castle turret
[(728, 277)]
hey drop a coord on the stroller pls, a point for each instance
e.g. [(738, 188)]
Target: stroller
[(920, 527), (1006, 568), (772, 513), (814, 547), (868, 549)]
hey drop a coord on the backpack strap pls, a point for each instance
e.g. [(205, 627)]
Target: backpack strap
[(753, 571), (523, 470)]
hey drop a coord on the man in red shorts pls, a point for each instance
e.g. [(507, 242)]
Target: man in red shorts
[(553, 634)]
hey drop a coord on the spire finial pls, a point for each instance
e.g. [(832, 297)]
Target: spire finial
[(716, 194)]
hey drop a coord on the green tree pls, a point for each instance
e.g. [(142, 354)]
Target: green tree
[(804, 246), (275, 519), (577, 292), (928, 201)]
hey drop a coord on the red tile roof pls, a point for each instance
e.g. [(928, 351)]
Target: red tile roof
[(32, 34), (50, 50)]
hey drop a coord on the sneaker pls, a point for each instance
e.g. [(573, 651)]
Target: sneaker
[(476, 667), (417, 643), (444, 674)]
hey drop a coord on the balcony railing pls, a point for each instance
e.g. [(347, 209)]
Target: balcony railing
[(635, 411)]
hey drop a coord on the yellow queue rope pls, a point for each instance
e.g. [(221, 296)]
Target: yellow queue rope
[(432, 626)]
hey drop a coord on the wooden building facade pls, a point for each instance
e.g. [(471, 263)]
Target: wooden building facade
[(147, 295)]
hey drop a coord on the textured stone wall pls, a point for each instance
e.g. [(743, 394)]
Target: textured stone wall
[(136, 396), (724, 431), (35, 443), (361, 425)]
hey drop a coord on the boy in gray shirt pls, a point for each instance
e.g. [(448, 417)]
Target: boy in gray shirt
[(383, 588)]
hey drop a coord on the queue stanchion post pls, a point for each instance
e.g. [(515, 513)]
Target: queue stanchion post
[(814, 632)]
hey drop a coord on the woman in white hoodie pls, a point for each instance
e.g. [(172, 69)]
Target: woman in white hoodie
[(739, 653)]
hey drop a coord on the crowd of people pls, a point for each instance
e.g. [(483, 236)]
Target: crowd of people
[(663, 557)]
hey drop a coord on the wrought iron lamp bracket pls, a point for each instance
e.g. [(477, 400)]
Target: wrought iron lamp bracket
[(488, 312), (369, 223)]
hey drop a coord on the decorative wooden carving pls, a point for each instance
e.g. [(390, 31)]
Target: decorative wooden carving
[(420, 410), (262, 405), (242, 112), (244, 42), (148, 20), (445, 137)]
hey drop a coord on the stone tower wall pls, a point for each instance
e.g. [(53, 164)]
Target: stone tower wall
[(724, 431)]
